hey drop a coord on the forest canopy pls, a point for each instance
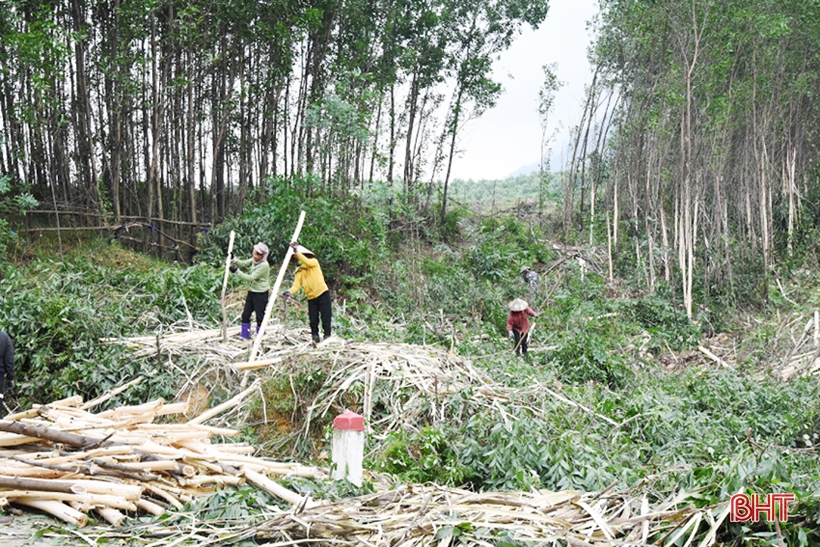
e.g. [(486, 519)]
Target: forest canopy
[(179, 111), (701, 129)]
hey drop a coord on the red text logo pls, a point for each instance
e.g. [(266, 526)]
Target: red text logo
[(743, 508)]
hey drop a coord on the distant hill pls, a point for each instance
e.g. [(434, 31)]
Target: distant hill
[(556, 163), (526, 170)]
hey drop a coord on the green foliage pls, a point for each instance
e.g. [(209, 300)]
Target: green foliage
[(346, 235), (667, 325), (233, 504), (502, 193), (11, 205), (59, 313), (426, 456), (583, 356)]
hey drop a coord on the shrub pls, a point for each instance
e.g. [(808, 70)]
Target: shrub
[(346, 235), (426, 456)]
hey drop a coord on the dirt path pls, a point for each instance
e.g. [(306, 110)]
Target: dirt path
[(22, 531)]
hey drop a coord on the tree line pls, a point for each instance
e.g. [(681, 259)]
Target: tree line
[(182, 110), (697, 149)]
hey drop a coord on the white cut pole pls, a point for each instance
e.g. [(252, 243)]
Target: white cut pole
[(56, 508), (117, 502), (151, 507), (258, 340), (258, 364), (111, 515), (225, 287), (109, 394), (224, 406), (261, 481)]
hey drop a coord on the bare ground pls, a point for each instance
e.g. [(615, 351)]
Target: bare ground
[(30, 530)]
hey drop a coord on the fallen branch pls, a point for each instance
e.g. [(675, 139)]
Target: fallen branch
[(713, 357)]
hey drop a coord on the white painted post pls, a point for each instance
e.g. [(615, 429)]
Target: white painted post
[(348, 447), (225, 286)]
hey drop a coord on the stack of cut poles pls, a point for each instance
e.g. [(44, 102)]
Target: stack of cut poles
[(64, 460)]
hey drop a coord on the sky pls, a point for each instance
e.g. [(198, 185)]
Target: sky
[(508, 137)]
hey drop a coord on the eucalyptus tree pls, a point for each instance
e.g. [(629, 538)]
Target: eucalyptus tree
[(34, 54), (478, 30), (712, 146), (546, 102), (423, 44)]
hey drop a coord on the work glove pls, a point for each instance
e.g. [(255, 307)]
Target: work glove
[(233, 269), (232, 256), (293, 245), (511, 335)]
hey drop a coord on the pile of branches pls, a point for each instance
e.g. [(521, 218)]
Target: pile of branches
[(412, 381), (401, 385), (64, 460), (416, 516), (793, 350), (799, 335)]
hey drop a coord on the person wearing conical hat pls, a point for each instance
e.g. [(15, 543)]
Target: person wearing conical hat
[(309, 278), (258, 278), (518, 325)]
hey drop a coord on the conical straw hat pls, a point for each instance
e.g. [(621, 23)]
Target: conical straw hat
[(518, 305)]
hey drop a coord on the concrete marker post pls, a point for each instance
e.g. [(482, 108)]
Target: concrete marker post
[(347, 447)]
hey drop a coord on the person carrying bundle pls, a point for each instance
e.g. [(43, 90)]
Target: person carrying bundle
[(531, 278)]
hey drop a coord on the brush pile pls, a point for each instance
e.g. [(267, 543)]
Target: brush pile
[(397, 385), (424, 515), (64, 460)]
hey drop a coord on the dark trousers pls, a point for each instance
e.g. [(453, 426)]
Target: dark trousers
[(523, 347), (319, 306), (255, 302)]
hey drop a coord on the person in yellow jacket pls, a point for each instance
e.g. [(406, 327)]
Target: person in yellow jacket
[(310, 278)]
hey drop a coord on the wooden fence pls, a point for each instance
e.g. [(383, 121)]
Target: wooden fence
[(166, 239)]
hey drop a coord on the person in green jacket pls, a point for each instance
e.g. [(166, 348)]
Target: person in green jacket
[(258, 278)]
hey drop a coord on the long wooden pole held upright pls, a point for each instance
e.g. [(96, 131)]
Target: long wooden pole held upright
[(258, 340), (225, 287)]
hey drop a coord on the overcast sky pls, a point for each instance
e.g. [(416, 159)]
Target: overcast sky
[(508, 137)]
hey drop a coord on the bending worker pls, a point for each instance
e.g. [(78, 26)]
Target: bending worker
[(310, 278), (518, 326)]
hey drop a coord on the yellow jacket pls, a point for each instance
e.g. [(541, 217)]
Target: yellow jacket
[(309, 277)]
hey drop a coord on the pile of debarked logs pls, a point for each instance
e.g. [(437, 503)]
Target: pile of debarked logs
[(67, 461)]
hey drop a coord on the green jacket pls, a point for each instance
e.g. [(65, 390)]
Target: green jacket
[(258, 276)]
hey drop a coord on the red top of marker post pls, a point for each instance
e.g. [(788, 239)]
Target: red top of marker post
[(349, 421)]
